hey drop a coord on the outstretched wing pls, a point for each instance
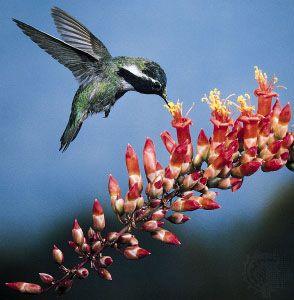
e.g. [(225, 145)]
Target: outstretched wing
[(84, 66), (77, 35)]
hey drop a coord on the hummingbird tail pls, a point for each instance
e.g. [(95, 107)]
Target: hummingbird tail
[(71, 131)]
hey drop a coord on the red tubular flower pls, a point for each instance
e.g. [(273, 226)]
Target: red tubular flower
[(207, 203), (133, 168), (250, 130), (180, 123), (25, 287), (98, 216), (264, 92)]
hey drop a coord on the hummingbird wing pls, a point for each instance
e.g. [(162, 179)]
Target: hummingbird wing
[(77, 35), (83, 66)]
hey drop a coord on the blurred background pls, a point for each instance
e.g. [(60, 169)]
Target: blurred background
[(243, 250)]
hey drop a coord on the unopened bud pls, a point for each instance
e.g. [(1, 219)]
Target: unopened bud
[(57, 255), (178, 218), (91, 234), (77, 233), (152, 225), (105, 261), (186, 204), (82, 273), (159, 214), (98, 216), (104, 274), (46, 278), (25, 287), (112, 236), (64, 286), (135, 252), (97, 246), (166, 237)]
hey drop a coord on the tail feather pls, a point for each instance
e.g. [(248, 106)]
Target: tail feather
[(71, 131)]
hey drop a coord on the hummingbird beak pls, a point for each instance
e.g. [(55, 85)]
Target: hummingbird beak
[(164, 96)]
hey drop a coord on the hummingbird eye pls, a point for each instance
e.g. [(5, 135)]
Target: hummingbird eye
[(157, 85)]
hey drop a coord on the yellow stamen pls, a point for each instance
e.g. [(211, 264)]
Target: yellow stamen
[(216, 104), (244, 107), (260, 77), (174, 108)]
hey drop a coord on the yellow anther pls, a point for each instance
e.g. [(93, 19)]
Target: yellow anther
[(216, 104), (174, 108), (260, 77), (244, 107)]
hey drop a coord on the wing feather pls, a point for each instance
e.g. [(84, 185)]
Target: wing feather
[(83, 66), (77, 35)]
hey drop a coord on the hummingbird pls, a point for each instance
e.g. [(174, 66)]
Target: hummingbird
[(103, 79)]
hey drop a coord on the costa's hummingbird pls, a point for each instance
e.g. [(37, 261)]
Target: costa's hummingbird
[(103, 79)]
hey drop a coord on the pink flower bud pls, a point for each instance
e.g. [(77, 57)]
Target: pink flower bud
[(135, 252), (97, 247), (152, 225), (246, 169), (105, 261), (149, 157), (57, 255), (178, 158), (159, 214), (85, 248), (168, 141), (208, 204), (98, 216), (133, 168), (46, 278), (112, 236), (272, 165), (77, 233), (82, 273), (113, 187), (186, 204), (92, 234), (178, 218), (155, 203), (155, 188), (104, 274), (166, 237), (128, 238), (64, 286), (25, 287)]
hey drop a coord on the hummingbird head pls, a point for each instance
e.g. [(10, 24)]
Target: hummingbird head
[(145, 77)]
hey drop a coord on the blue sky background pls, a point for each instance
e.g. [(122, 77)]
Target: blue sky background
[(200, 44)]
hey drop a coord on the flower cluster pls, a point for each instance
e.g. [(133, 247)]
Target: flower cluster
[(236, 149)]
